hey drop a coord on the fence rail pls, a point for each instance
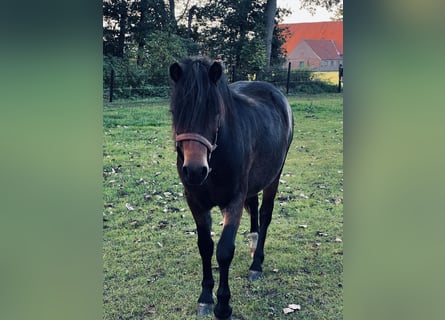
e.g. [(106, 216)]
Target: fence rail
[(285, 79)]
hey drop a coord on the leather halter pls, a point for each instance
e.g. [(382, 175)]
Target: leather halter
[(197, 137), (201, 139)]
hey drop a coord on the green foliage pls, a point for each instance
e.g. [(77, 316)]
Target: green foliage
[(235, 31), (140, 39), (126, 74), (313, 5), (161, 50), (152, 268), (300, 81), (314, 87), (150, 76)]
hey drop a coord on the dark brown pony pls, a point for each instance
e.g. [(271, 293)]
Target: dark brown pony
[(232, 141)]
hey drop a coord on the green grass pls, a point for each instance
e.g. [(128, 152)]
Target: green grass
[(152, 268)]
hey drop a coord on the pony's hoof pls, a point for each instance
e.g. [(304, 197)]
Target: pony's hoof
[(254, 275), (204, 309), (226, 315)]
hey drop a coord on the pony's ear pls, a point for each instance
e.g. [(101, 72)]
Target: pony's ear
[(175, 71), (215, 71)]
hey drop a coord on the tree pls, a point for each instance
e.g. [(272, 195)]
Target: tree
[(141, 37), (271, 9), (173, 23), (338, 13), (313, 5), (148, 16), (235, 30), (115, 15)]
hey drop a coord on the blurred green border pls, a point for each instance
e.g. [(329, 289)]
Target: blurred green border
[(394, 160), (51, 160)]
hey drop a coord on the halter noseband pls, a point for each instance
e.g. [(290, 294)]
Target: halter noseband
[(199, 138)]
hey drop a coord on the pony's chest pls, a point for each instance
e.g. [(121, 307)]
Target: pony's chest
[(222, 189)]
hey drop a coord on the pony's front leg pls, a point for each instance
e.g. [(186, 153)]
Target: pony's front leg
[(205, 245), (224, 255)]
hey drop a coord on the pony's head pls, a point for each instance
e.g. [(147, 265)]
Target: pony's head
[(197, 107)]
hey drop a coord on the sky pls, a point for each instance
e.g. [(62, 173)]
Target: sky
[(298, 15), (302, 15)]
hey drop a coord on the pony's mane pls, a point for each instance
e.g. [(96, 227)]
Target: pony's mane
[(196, 101)]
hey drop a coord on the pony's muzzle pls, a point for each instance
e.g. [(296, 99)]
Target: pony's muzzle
[(195, 175), (195, 169)]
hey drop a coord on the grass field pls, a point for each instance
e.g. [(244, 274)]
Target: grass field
[(152, 268)]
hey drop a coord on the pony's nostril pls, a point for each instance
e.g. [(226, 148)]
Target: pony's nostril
[(195, 175)]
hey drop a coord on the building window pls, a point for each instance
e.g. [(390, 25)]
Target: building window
[(301, 64)]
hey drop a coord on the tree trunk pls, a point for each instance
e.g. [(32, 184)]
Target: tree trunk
[(189, 21), (172, 15), (271, 9), (123, 20), (142, 31)]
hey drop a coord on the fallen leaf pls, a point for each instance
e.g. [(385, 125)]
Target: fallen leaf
[(302, 195), (129, 207), (288, 310), (302, 226), (294, 306), (338, 240)]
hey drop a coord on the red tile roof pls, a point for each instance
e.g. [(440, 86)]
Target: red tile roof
[(330, 30), (325, 49)]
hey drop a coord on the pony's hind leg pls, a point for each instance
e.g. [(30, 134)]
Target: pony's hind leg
[(251, 205), (265, 219)]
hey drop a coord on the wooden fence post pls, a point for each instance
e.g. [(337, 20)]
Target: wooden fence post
[(340, 76), (288, 78), (111, 85)]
